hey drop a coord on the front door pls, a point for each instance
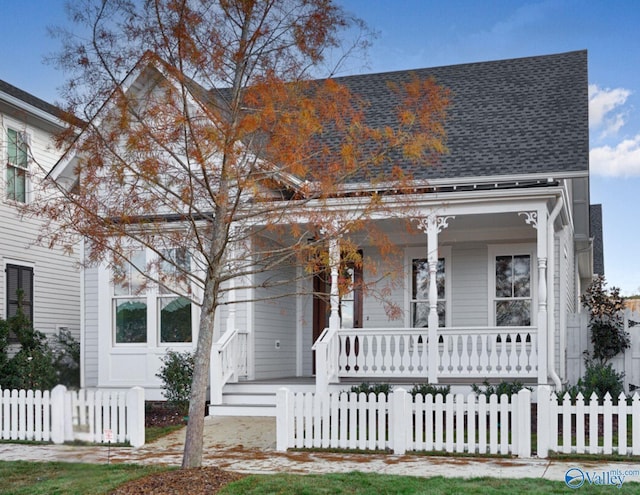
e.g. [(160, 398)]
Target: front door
[(350, 309)]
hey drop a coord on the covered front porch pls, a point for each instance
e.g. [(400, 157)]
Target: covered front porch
[(482, 298)]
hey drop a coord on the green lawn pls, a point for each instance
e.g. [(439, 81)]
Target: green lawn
[(48, 478), (74, 478)]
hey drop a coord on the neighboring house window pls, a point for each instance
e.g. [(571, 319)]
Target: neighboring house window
[(129, 304), (513, 290), (17, 161), (174, 312), (19, 279)]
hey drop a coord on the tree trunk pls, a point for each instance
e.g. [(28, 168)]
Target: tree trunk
[(193, 444)]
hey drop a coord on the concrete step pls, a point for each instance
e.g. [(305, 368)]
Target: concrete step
[(231, 398), (242, 410)]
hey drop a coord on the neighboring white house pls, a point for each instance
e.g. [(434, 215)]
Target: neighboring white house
[(49, 279), (503, 233)]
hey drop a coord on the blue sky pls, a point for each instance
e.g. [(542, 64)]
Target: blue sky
[(428, 33)]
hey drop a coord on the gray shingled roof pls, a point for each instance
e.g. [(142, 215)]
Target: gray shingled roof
[(518, 116)]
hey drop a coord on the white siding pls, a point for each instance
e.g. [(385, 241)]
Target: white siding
[(469, 285), (275, 327), (56, 276), (90, 327)]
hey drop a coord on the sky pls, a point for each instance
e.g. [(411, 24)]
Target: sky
[(428, 33)]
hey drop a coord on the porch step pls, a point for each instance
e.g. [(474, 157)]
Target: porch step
[(242, 410), (242, 398)]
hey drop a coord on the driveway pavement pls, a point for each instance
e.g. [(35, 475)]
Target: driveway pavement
[(253, 451)]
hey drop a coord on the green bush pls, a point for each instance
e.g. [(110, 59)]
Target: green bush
[(427, 388), (67, 360), (599, 378), (176, 375), (367, 388), (508, 388)]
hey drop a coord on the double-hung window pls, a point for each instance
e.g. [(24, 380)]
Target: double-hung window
[(17, 165), (419, 288), (163, 307), (174, 311), (512, 288), (130, 302)]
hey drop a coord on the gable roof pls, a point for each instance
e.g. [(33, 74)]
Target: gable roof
[(25, 105), (524, 116)]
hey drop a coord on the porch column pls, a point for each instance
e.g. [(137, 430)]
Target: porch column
[(432, 260), (538, 220), (334, 261), (432, 226)]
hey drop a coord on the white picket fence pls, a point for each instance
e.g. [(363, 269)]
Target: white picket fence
[(587, 427), (401, 423), (64, 415), (457, 423)]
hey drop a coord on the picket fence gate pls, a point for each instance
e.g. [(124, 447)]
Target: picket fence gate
[(62, 415), (400, 422)]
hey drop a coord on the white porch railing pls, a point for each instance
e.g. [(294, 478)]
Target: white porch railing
[(488, 352), (370, 353), (228, 362), (326, 349)]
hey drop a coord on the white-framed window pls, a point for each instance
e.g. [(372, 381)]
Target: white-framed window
[(17, 165), (129, 302), (417, 269), (512, 292), (146, 312), (174, 311)]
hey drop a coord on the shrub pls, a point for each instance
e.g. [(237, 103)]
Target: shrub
[(508, 388), (599, 378), (605, 320), (67, 360), (176, 374), (376, 388), (427, 388)]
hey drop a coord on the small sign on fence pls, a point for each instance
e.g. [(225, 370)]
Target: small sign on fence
[(108, 436)]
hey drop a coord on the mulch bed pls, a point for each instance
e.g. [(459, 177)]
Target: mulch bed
[(181, 481)]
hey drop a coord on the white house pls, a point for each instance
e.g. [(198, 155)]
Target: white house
[(502, 239), (49, 278)]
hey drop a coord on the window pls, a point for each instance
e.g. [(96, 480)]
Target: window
[(139, 305), (19, 284), (420, 292), (513, 290), (130, 306), (16, 166), (174, 311)]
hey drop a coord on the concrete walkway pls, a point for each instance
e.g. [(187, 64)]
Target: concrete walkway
[(253, 451)]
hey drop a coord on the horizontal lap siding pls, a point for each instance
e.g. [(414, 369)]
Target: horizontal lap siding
[(56, 275), (275, 320), (91, 319), (469, 289)]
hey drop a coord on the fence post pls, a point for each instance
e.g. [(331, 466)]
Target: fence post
[(57, 402), (523, 423), (542, 428), (399, 421), (135, 416), (283, 421)]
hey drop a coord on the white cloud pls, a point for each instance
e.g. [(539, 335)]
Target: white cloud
[(602, 102), (623, 160)]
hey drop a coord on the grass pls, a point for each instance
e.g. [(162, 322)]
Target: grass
[(45, 478), (152, 433), (39, 478), (372, 484)]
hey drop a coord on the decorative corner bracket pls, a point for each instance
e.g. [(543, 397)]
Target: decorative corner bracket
[(531, 218)]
